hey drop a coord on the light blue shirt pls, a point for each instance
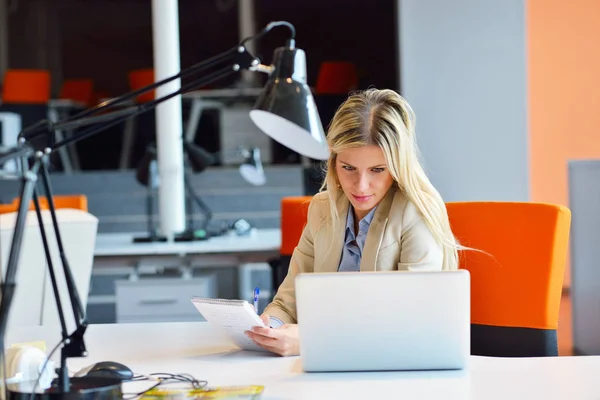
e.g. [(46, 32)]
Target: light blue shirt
[(354, 241), (352, 250)]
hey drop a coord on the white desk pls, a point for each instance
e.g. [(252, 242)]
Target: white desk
[(197, 349), (116, 249), (117, 254)]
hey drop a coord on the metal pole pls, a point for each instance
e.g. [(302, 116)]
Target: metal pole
[(3, 38), (247, 28), (171, 193)]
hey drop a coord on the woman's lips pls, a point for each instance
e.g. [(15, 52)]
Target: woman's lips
[(362, 198)]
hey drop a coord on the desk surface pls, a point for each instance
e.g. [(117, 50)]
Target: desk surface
[(197, 349), (121, 244)]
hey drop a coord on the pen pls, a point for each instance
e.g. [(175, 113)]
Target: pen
[(256, 292)]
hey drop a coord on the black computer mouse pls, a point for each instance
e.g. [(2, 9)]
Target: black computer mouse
[(107, 369)]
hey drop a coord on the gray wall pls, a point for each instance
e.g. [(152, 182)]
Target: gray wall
[(119, 201), (584, 201), (463, 70)]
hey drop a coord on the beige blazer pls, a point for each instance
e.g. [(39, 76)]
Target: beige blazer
[(398, 239)]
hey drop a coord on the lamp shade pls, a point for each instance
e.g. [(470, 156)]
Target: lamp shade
[(146, 172), (286, 109), (199, 158), (252, 169)]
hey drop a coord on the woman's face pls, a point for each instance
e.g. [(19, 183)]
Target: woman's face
[(364, 177)]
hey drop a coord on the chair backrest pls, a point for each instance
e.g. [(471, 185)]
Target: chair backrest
[(76, 201), (34, 302), (336, 77), (516, 277), (140, 78), (26, 86), (81, 90), (294, 211)]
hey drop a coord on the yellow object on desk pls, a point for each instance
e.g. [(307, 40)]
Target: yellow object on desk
[(219, 393)]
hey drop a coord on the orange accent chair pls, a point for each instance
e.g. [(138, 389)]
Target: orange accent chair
[(78, 202), (517, 269), (80, 90), (294, 211), (140, 78), (26, 86), (26, 92), (336, 77), (516, 272)]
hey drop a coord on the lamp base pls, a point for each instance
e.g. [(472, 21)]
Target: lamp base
[(87, 387), (186, 236)]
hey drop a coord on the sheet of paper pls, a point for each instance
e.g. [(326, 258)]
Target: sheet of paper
[(233, 317)]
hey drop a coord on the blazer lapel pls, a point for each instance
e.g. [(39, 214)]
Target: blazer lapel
[(334, 239), (375, 233)]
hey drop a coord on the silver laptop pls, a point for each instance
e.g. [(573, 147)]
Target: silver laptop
[(384, 321)]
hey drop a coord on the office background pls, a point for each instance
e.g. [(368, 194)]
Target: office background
[(505, 91)]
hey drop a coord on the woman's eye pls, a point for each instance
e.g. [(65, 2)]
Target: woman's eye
[(377, 170), (348, 168)]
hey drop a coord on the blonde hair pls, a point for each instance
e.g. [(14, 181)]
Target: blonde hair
[(384, 118)]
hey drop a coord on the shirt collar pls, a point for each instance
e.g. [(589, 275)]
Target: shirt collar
[(363, 223)]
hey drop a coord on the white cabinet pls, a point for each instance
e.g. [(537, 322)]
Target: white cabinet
[(161, 299)]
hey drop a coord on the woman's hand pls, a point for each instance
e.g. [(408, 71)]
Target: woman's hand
[(284, 341)]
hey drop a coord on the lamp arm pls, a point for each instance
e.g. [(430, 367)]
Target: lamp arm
[(7, 287), (74, 343), (240, 59), (252, 63), (76, 304), (42, 126), (145, 107), (74, 346), (203, 206)]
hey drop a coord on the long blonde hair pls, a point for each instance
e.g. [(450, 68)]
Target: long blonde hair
[(384, 118)]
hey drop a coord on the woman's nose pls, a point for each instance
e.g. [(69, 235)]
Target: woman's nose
[(362, 182)]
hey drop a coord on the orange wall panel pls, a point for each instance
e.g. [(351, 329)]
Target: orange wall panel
[(564, 92)]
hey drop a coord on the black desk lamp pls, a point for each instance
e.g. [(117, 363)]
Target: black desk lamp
[(251, 169), (198, 159), (286, 106)]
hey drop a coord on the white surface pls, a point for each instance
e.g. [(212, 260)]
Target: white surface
[(11, 127), (292, 136), (171, 193), (161, 299), (34, 301), (422, 329), (232, 317), (253, 175), (198, 349), (25, 363), (260, 240)]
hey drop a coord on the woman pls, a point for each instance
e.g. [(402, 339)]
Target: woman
[(379, 212)]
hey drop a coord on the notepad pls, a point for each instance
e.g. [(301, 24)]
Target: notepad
[(233, 317)]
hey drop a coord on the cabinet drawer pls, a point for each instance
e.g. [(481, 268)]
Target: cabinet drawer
[(161, 296)]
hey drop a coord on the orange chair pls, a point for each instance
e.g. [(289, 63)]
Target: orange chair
[(140, 78), (516, 287), (26, 86), (26, 92), (336, 77), (81, 90), (294, 211), (78, 202)]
